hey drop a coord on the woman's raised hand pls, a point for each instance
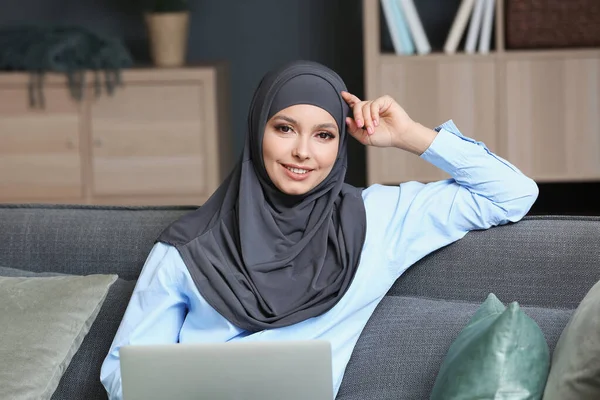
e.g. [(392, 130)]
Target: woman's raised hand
[(384, 123)]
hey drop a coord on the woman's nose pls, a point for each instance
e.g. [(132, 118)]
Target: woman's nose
[(301, 150)]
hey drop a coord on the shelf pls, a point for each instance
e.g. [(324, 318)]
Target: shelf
[(388, 58), (552, 53), (537, 108), (508, 54)]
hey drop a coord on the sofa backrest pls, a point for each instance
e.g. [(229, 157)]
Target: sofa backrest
[(81, 239), (544, 261), (547, 261)]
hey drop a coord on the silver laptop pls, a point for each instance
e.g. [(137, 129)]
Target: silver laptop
[(245, 370)]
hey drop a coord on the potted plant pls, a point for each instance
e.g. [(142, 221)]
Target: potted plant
[(168, 26)]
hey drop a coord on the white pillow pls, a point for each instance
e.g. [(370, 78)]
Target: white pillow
[(43, 321)]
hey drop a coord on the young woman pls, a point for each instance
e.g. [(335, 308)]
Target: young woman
[(285, 250)]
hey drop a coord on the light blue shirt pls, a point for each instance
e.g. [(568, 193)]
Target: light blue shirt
[(404, 224)]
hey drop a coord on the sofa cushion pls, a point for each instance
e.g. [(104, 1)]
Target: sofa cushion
[(501, 352), (399, 353), (81, 380), (575, 369), (44, 321)]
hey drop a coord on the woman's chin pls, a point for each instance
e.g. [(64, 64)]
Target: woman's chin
[(295, 191), (295, 188)]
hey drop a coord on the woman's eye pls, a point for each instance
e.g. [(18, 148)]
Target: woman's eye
[(325, 135), (284, 128)]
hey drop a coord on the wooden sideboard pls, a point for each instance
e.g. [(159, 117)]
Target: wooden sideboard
[(162, 138)]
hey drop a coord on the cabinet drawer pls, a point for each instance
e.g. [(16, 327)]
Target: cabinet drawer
[(39, 151), (149, 140)]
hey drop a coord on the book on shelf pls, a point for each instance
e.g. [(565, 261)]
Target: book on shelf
[(405, 27), (479, 14), (486, 28), (397, 26), (474, 27), (408, 35)]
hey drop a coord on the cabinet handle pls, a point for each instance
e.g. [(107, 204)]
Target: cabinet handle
[(70, 144), (97, 143)]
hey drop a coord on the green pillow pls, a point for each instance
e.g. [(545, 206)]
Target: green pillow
[(575, 370), (500, 354), (43, 321)]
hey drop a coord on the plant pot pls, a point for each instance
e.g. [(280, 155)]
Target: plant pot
[(168, 34)]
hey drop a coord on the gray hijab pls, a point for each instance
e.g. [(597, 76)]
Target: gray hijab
[(264, 259)]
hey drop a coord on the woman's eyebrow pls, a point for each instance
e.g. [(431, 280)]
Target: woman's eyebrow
[(325, 126), (287, 119), (294, 122)]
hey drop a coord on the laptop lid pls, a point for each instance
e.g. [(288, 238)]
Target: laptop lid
[(249, 370)]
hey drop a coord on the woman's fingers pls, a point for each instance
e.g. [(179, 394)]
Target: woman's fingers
[(356, 104), (358, 115), (351, 125), (375, 109), (350, 98), (366, 112), (355, 131)]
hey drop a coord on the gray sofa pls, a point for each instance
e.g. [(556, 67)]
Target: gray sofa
[(545, 263)]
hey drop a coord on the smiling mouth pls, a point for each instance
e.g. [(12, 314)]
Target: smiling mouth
[(297, 170)]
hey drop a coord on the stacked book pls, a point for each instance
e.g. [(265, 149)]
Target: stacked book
[(409, 37)]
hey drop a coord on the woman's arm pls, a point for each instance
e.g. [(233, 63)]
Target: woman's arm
[(415, 219), (484, 191), (154, 315)]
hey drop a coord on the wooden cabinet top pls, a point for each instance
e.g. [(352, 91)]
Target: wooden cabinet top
[(193, 72)]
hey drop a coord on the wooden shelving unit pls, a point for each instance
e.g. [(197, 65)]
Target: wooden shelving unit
[(539, 109)]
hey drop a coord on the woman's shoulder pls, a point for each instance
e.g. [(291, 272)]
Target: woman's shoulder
[(385, 203), (161, 251), (164, 262), (380, 201), (377, 195), (377, 189)]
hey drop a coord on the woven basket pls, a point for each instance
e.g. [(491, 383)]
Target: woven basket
[(552, 23)]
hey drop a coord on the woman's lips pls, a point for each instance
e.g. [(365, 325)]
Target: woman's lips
[(295, 175)]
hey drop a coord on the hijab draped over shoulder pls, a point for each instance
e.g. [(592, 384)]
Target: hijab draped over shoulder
[(264, 259)]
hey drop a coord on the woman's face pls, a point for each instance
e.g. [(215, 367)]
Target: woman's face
[(300, 146)]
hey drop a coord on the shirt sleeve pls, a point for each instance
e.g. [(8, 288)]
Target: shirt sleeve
[(154, 315), (484, 191)]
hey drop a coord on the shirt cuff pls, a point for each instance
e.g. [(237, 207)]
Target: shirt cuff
[(447, 151)]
